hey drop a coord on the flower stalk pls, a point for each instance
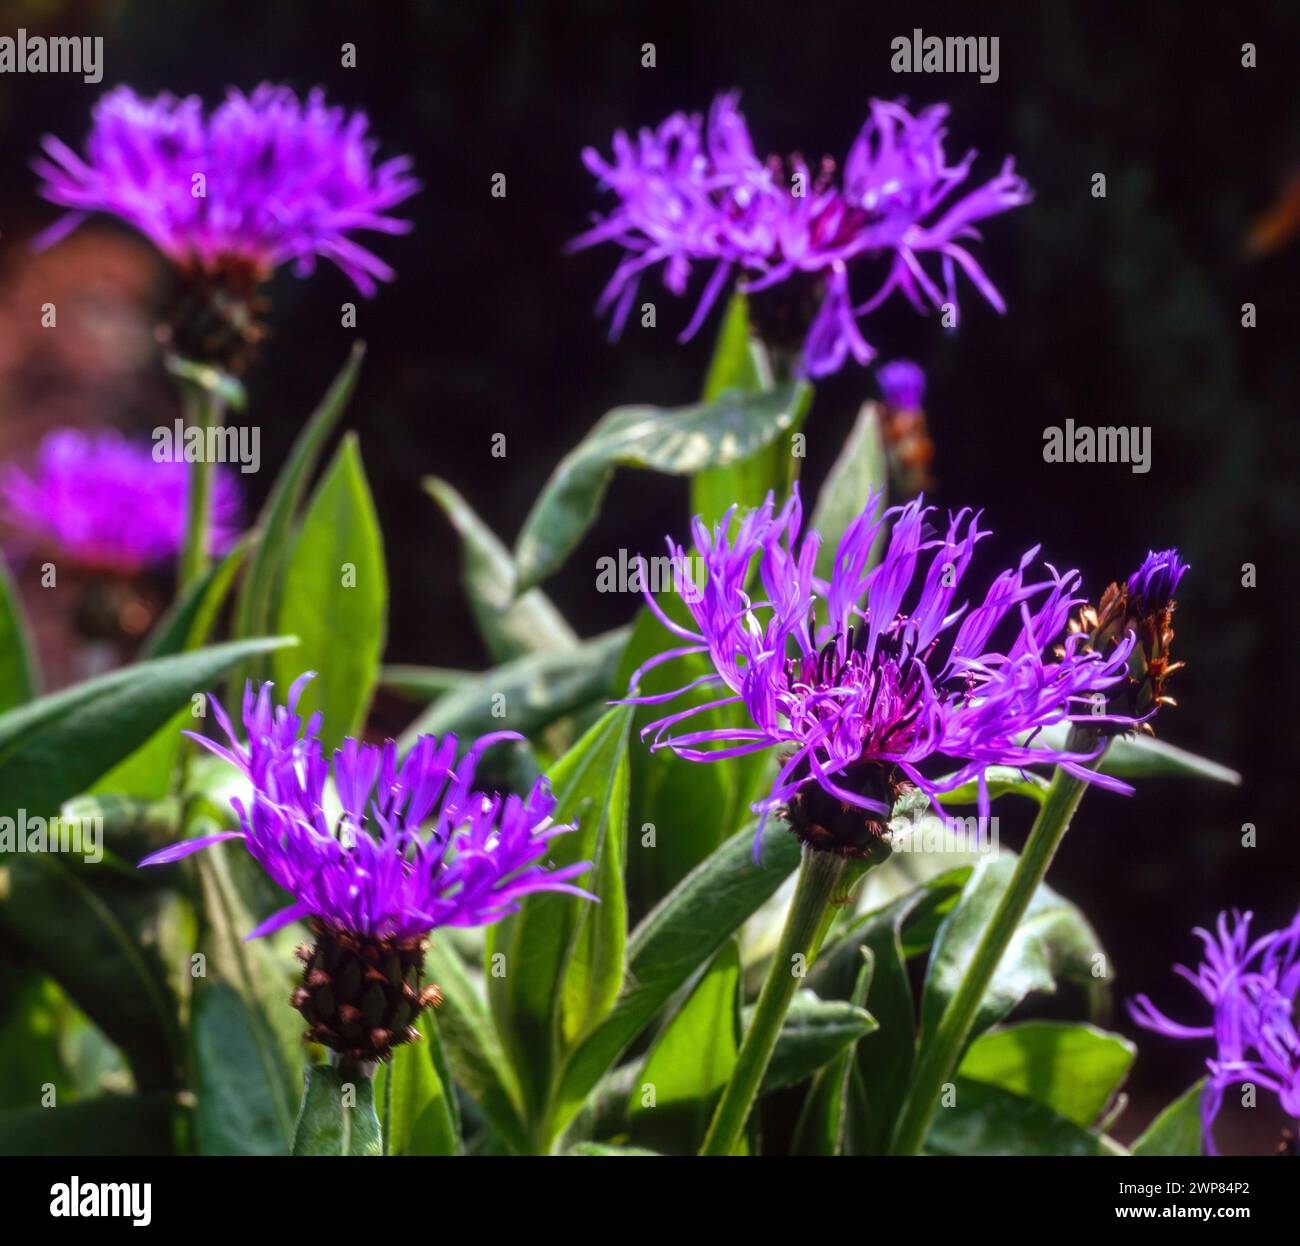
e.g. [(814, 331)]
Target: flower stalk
[(204, 409), (805, 924), (939, 1059)]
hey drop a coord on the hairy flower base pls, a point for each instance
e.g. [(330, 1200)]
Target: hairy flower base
[(827, 824), (361, 996)]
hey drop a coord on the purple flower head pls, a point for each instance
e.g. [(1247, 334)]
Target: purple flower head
[(902, 384), (1153, 585), (398, 846), (1252, 989), (264, 179), (864, 679), (693, 191), (108, 505)]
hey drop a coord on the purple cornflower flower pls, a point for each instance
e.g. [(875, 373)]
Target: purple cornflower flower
[(694, 192), (396, 849), (263, 180), (1252, 988), (863, 679), (108, 505), (284, 180), (902, 384), (411, 846)]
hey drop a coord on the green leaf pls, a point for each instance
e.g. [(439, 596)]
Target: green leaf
[(1144, 757), (605, 1148), (147, 774), (337, 1116), (259, 594), (740, 363), (834, 1112), (987, 1120), (1052, 940), (510, 626), (99, 930), (112, 1125), (1177, 1130), (1000, 781), (813, 1033), (673, 941), (419, 1103), (336, 600), (189, 621), (526, 989), (533, 691), (861, 467), (1073, 1069), (423, 683), (890, 935), (690, 1062), (677, 441), (245, 1039), (57, 746), (473, 1048), (18, 680)]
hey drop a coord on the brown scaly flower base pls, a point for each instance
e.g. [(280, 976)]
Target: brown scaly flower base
[(360, 995), (826, 824), (215, 314)]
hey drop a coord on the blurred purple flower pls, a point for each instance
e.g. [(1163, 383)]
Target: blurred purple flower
[(1252, 989), (690, 191), (864, 678), (108, 505), (408, 845), (282, 180)]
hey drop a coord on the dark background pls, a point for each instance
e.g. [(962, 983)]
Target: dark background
[(1123, 310)]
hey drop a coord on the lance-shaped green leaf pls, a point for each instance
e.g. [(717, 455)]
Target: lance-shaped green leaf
[(677, 441), (987, 1120), (1073, 1069), (891, 936), (527, 953), (99, 930), (419, 1104), (813, 1033), (740, 363), (1053, 940), (673, 1098), (57, 746), (338, 1115), (669, 946), (1177, 1130), (834, 1113), (336, 600), (259, 594), (1143, 757), (999, 781), (18, 680), (861, 467), (424, 684), (141, 1124), (472, 1046), (245, 1039), (510, 626), (526, 694), (607, 1148), (147, 774)]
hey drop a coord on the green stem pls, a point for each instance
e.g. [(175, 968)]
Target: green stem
[(939, 1058), (804, 924), (204, 409)]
